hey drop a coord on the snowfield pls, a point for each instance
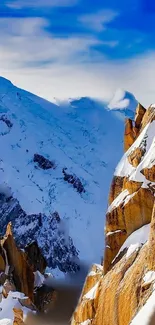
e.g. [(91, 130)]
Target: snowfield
[(82, 137)]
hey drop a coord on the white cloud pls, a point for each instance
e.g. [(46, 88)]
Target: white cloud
[(25, 47), (25, 42), (19, 4), (97, 21)]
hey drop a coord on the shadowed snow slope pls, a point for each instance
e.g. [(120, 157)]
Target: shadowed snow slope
[(80, 136)]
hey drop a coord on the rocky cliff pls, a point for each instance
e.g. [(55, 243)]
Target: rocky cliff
[(121, 292), (22, 274)]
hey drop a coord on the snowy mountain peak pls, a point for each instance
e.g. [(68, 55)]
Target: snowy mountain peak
[(124, 101), (83, 103), (5, 84), (4, 81), (57, 159)]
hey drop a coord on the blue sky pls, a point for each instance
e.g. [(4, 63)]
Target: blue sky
[(96, 45)]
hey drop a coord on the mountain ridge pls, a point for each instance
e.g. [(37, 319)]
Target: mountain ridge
[(71, 137), (122, 290)]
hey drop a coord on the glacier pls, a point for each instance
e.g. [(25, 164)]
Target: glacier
[(82, 136)]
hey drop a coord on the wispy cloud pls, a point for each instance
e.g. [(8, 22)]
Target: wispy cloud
[(50, 66), (98, 21), (19, 4), (25, 41)]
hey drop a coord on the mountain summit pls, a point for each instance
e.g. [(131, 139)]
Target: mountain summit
[(56, 165)]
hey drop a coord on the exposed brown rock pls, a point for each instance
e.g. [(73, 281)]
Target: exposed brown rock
[(18, 317), (148, 117), (129, 136), (28, 304), (149, 173), (123, 218), (122, 290), (113, 243), (35, 258), (7, 287), (136, 156), (2, 264), (22, 272), (93, 277), (116, 188), (133, 128), (131, 186), (140, 111), (87, 307)]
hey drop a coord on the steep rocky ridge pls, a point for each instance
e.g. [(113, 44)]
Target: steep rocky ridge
[(135, 195), (22, 275), (117, 294)]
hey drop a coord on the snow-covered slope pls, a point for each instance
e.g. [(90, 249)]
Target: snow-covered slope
[(82, 141), (146, 142)]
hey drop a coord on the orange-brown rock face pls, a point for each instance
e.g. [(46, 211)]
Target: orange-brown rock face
[(133, 128), (116, 188), (149, 173), (136, 156), (132, 195), (18, 319), (17, 259), (18, 270), (124, 289), (129, 136), (128, 277), (140, 112), (88, 301), (121, 221)]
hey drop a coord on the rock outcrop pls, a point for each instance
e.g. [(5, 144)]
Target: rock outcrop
[(133, 187), (22, 274), (132, 128), (58, 251), (116, 294), (74, 180), (43, 162)]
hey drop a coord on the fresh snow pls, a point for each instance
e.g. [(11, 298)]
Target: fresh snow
[(7, 305), (39, 279), (92, 273), (132, 248), (86, 322), (118, 200), (6, 321), (99, 269), (80, 135), (149, 277), (124, 197), (113, 232), (92, 293), (146, 141), (135, 240), (99, 266)]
